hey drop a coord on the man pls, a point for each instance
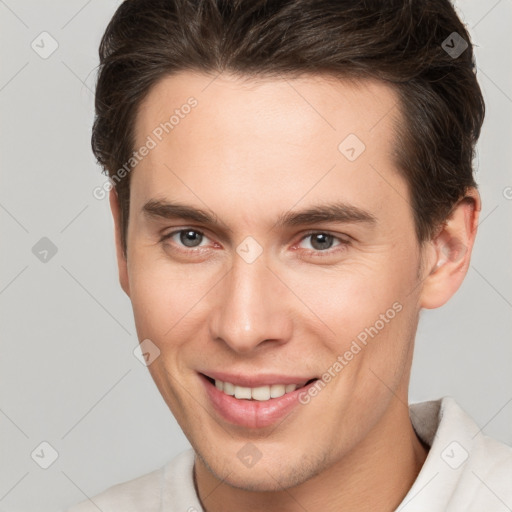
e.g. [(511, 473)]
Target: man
[(291, 185)]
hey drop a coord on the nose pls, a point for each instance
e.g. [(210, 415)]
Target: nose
[(252, 307)]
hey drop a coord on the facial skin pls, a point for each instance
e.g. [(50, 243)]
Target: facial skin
[(249, 152)]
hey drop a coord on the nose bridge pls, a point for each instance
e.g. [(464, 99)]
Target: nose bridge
[(250, 307)]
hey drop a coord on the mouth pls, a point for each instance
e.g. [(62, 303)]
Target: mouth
[(258, 393), (254, 407)]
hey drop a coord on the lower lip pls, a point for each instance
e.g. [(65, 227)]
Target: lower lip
[(252, 413)]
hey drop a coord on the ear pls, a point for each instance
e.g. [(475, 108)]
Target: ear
[(121, 258), (448, 253)]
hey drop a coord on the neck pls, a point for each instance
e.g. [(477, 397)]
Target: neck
[(375, 475)]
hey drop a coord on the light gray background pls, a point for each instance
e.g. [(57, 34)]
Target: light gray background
[(68, 375)]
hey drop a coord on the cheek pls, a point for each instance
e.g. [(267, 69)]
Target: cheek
[(164, 295), (356, 294)]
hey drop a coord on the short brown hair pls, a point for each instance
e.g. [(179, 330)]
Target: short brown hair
[(402, 42)]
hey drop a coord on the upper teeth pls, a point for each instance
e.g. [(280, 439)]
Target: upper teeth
[(260, 393)]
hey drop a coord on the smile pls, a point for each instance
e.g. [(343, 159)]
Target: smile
[(261, 393), (254, 406)]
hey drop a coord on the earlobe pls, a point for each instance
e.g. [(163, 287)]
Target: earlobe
[(121, 258), (451, 251)]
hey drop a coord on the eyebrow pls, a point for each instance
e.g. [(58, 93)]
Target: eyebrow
[(157, 208), (331, 212)]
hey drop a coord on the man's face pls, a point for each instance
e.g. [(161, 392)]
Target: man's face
[(253, 300)]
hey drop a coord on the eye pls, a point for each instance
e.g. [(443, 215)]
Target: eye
[(322, 243), (189, 238)]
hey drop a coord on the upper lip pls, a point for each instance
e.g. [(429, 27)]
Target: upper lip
[(253, 381)]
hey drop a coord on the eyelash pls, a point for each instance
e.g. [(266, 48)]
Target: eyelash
[(316, 253)]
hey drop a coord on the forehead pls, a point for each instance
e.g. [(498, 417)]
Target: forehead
[(267, 106), (275, 139)]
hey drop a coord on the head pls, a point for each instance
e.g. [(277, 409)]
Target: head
[(317, 157)]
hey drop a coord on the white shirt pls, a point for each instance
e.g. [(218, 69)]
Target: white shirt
[(464, 471)]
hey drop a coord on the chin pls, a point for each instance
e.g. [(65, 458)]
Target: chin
[(265, 476), (263, 480)]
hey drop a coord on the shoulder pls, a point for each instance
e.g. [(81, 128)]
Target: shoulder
[(141, 493), (482, 454), (488, 474), (465, 469)]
